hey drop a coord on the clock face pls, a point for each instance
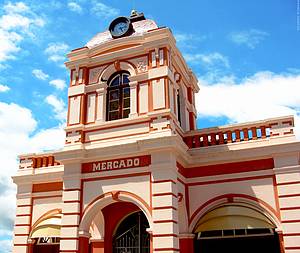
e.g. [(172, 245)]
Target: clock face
[(119, 27)]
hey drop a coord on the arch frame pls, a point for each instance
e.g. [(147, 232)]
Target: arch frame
[(49, 214), (236, 199), (108, 198), (116, 67)]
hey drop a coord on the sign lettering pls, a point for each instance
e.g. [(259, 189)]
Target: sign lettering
[(123, 163)]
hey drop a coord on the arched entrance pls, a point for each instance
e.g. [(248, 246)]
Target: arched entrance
[(235, 228), (46, 235), (46, 245), (131, 235)]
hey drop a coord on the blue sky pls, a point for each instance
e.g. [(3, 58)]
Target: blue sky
[(245, 54)]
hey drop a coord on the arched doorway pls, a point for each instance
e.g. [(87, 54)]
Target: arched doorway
[(131, 235), (46, 245), (235, 228), (46, 235)]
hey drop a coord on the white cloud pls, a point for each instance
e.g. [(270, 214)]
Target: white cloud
[(10, 21), (58, 106), (16, 8), (58, 84), (39, 74), (209, 60), (9, 44), (54, 48), (17, 136), (260, 96), (16, 24), (56, 51), (5, 246), (250, 38), (103, 11), (73, 6), (188, 37), (4, 88), (214, 65)]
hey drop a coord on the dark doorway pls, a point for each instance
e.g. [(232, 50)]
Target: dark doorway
[(46, 249), (131, 235), (46, 245), (249, 244)]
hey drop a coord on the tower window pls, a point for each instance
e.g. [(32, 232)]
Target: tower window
[(118, 96), (178, 107)]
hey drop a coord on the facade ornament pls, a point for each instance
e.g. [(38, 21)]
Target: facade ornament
[(142, 66), (177, 77), (117, 65)]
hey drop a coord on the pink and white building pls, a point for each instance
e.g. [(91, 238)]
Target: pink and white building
[(135, 175)]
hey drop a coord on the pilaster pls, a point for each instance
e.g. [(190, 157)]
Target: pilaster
[(71, 209), (22, 227), (133, 99), (101, 105), (164, 203), (287, 183)]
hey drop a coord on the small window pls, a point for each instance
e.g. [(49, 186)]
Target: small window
[(178, 107), (118, 96)]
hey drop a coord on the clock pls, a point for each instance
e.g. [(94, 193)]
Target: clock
[(120, 27)]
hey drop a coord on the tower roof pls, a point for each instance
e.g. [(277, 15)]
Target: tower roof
[(139, 28)]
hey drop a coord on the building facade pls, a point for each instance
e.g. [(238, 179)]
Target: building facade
[(135, 175)]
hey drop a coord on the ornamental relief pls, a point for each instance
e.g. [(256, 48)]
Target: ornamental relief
[(95, 73), (141, 64)]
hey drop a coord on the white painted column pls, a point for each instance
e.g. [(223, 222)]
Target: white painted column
[(23, 218), (71, 208), (288, 187), (101, 104), (133, 99), (176, 90), (164, 203)]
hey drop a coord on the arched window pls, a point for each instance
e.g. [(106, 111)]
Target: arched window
[(118, 96)]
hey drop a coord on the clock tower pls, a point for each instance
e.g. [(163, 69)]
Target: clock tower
[(135, 175), (129, 83)]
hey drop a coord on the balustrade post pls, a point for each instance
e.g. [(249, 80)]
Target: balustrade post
[(229, 136), (263, 132), (246, 136), (221, 137), (189, 141), (237, 135), (254, 134), (213, 139), (197, 141), (205, 140)]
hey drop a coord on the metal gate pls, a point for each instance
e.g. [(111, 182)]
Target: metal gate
[(134, 240)]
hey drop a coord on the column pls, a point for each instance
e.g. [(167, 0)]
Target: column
[(101, 105), (30, 245), (69, 241), (21, 242), (133, 99), (84, 238), (186, 243), (164, 203), (97, 245), (287, 184)]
